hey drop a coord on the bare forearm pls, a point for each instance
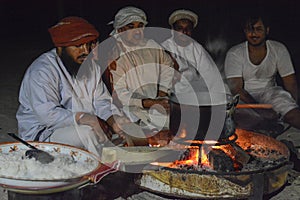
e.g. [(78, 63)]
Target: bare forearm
[(245, 96), (293, 91), (110, 121), (147, 103), (161, 105), (290, 84), (236, 86)]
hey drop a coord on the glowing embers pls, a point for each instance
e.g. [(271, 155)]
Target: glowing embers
[(204, 157), (249, 151)]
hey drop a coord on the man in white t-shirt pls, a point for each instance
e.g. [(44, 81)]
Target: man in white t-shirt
[(251, 68)]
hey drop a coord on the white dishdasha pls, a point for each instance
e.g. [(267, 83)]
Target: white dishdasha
[(16, 165)]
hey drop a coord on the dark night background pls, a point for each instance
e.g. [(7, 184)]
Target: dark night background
[(28, 21), (24, 25), (24, 35)]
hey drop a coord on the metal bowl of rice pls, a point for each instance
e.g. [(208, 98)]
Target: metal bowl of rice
[(72, 168)]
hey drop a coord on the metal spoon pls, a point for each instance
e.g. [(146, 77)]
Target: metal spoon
[(40, 155)]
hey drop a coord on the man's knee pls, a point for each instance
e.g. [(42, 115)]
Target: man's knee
[(85, 132)]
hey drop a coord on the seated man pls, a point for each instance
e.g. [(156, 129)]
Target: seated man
[(197, 69), (251, 69), (142, 73), (199, 82), (62, 98)]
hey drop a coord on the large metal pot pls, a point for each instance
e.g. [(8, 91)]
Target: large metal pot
[(34, 186), (201, 115)]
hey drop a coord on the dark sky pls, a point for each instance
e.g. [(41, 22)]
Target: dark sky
[(26, 22), (33, 17)]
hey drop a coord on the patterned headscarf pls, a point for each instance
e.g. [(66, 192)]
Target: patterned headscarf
[(127, 15), (72, 31)]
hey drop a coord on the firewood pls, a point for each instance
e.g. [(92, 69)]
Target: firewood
[(220, 161)]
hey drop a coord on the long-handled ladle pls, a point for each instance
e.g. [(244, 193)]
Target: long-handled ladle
[(40, 155)]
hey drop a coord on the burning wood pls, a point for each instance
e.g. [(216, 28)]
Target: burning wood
[(220, 161), (268, 158), (238, 155), (242, 155)]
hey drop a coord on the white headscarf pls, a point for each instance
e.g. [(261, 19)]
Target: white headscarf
[(127, 15)]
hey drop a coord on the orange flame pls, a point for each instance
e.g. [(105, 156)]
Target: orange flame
[(192, 159)]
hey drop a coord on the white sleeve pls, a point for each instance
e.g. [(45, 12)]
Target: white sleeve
[(233, 65), (167, 71), (103, 102), (210, 72), (284, 64), (45, 101)]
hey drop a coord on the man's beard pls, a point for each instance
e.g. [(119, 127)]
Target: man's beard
[(69, 63)]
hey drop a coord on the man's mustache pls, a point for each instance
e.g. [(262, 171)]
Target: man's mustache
[(82, 56)]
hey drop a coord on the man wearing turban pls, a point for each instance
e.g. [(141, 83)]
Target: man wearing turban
[(62, 98), (198, 80), (143, 72), (198, 72)]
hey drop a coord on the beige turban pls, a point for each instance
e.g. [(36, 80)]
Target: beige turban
[(183, 14), (126, 16)]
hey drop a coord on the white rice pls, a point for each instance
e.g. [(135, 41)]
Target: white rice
[(16, 165)]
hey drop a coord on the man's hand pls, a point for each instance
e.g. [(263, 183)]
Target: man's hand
[(116, 122), (161, 105), (268, 114), (92, 121)]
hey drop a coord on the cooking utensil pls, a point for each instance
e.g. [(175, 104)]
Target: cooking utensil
[(41, 156), (263, 106)]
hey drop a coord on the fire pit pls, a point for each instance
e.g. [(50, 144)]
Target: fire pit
[(217, 160), (264, 173)]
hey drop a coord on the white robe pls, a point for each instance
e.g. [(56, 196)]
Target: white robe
[(49, 96), (200, 77), (142, 71)]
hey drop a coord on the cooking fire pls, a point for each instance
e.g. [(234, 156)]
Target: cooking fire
[(248, 164), (235, 156)]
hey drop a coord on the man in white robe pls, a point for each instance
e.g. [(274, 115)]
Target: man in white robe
[(143, 72), (62, 97)]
